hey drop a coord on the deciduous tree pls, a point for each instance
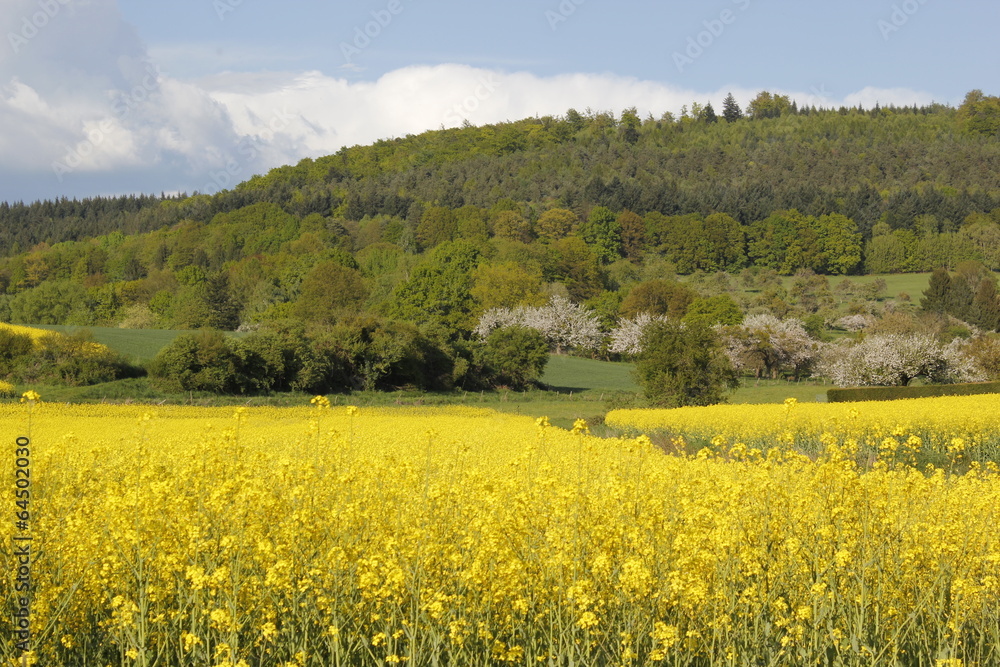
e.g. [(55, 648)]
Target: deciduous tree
[(683, 364), (658, 297), (514, 356), (329, 291), (602, 233), (556, 223)]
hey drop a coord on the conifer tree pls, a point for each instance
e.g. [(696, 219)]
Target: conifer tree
[(935, 299), (731, 111), (708, 114), (959, 301), (985, 311)]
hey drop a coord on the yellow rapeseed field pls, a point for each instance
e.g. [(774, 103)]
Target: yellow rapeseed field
[(941, 431), (36, 335), (317, 536), (31, 332)]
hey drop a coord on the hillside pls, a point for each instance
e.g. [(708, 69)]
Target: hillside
[(434, 229)]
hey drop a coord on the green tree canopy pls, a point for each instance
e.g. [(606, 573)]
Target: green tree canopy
[(980, 114), (602, 233), (329, 291), (573, 263), (439, 289), (437, 225), (514, 356), (633, 234), (506, 285), (658, 297), (511, 225), (718, 309), (556, 223), (768, 105), (841, 243), (683, 364)]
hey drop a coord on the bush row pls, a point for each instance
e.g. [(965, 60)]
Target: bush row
[(854, 394), (362, 354)]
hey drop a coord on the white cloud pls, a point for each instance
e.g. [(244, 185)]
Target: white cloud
[(331, 112), (80, 97), (869, 97)]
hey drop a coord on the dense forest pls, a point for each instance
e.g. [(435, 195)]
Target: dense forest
[(436, 229)]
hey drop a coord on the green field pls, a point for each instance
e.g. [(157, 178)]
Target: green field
[(912, 284), (573, 374), (776, 391)]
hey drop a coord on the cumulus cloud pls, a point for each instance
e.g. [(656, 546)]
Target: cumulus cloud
[(82, 102)]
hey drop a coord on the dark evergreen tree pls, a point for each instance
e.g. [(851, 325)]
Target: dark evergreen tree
[(708, 114), (935, 299), (985, 311), (731, 110), (959, 301), (224, 313)]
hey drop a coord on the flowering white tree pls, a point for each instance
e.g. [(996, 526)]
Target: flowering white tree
[(566, 324), (895, 359), (626, 338), (563, 323), (765, 344), (857, 322), (498, 318), (962, 365)]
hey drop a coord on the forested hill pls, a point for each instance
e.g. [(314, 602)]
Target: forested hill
[(890, 164), (586, 204), (900, 163)]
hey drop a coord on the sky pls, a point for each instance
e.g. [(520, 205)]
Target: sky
[(109, 97)]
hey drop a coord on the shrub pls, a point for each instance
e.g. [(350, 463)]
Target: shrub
[(12, 346), (683, 364), (73, 360), (362, 354), (514, 357), (200, 361)]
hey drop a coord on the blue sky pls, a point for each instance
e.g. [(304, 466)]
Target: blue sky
[(101, 97)]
